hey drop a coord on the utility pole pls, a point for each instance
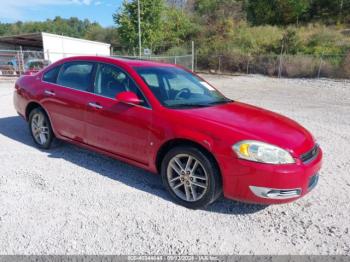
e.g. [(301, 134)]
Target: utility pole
[(340, 16), (280, 67), (139, 24), (192, 56)]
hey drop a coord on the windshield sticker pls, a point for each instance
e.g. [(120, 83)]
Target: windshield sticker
[(207, 86)]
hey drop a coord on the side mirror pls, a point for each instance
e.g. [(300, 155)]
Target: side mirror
[(128, 97)]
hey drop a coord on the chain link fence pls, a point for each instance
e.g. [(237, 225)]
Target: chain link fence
[(186, 61), (289, 66), (179, 54), (15, 63)]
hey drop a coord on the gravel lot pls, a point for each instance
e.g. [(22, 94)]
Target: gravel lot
[(70, 200)]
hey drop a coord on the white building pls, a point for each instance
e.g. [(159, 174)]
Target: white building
[(54, 47)]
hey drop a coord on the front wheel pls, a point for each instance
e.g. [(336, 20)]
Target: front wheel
[(40, 128), (191, 177)]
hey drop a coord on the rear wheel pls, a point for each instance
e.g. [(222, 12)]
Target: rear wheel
[(40, 128), (191, 177)]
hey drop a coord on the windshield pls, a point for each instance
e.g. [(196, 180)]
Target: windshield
[(177, 88)]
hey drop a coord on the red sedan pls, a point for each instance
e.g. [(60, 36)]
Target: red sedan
[(167, 120)]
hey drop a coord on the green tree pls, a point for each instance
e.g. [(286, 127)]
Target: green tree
[(262, 12), (69, 27), (106, 35), (330, 11), (151, 22), (276, 12), (177, 27), (219, 9), (73, 27), (292, 10)]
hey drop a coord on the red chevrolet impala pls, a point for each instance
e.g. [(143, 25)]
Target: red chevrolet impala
[(167, 120)]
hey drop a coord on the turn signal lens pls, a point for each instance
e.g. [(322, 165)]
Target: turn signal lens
[(243, 149)]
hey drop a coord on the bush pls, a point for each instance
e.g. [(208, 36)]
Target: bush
[(300, 66), (319, 39), (256, 40), (346, 66), (265, 65), (177, 51), (257, 50)]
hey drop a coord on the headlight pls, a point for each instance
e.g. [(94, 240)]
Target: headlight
[(262, 152)]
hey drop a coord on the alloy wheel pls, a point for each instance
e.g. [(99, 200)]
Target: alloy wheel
[(40, 129), (187, 177)]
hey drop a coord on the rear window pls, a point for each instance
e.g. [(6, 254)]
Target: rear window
[(51, 75), (76, 75)]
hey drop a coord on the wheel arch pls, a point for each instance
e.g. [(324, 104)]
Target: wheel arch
[(168, 145), (30, 107), (34, 104)]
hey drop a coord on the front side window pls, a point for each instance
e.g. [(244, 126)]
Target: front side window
[(76, 75), (111, 80), (51, 75), (177, 88)]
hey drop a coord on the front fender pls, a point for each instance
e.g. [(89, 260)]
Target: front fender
[(196, 137), (183, 135)]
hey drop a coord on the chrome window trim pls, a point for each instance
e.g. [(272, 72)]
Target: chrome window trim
[(92, 93), (149, 108)]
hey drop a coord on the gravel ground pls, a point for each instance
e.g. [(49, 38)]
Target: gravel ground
[(70, 200)]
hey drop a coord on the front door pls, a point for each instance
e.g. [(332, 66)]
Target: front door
[(113, 126)]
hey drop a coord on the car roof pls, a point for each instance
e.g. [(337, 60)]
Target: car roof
[(126, 61)]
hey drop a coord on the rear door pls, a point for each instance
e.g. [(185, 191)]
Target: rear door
[(66, 98)]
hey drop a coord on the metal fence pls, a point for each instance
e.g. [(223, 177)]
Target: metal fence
[(14, 63), (179, 54), (289, 66), (186, 61)]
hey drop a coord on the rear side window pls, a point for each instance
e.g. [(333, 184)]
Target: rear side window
[(51, 75), (76, 75)]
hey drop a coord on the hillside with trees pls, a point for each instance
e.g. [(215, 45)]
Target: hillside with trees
[(311, 36), (230, 35), (73, 27)]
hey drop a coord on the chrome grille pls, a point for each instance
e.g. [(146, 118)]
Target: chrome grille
[(313, 182), (310, 155)]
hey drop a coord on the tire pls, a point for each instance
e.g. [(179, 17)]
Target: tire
[(39, 120), (197, 183)]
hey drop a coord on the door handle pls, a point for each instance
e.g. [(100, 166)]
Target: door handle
[(49, 93), (95, 105)]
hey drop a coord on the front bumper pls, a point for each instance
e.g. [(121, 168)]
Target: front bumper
[(268, 184), (275, 193)]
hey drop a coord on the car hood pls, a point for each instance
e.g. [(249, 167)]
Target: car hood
[(250, 122)]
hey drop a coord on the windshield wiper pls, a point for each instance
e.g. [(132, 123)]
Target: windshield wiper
[(188, 105), (201, 105), (221, 102)]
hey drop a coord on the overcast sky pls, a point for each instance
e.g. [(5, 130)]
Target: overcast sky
[(38, 10)]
